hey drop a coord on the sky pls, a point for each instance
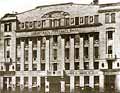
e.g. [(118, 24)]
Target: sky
[(11, 6)]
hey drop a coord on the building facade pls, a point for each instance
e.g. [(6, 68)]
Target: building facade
[(64, 48)]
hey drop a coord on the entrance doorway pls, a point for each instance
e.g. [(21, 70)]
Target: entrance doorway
[(109, 83)]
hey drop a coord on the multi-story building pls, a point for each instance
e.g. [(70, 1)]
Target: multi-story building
[(61, 48)]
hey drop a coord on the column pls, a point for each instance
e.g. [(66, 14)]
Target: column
[(62, 86), (21, 82), (91, 54), (46, 85), (81, 50), (81, 81), (47, 55), (38, 54), (30, 56), (22, 56), (30, 82), (91, 81), (13, 82), (101, 83), (117, 83), (39, 82), (51, 52), (62, 54), (72, 64), (1, 82), (59, 53), (8, 83)]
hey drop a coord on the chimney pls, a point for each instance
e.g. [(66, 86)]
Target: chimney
[(95, 2)]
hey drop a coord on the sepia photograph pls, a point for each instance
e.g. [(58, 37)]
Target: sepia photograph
[(59, 46)]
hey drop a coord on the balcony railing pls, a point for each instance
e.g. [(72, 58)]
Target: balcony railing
[(110, 57)]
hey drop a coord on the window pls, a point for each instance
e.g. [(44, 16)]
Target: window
[(109, 49), (96, 52), (72, 21), (26, 67), (76, 20), (30, 24), (67, 53), (34, 54), (17, 81), (67, 66), (34, 81), (86, 52), (18, 41), (96, 65), (54, 66), (55, 54), (7, 27), (25, 80), (34, 67), (96, 36), (96, 19), (86, 80), (8, 54), (107, 19), (110, 35), (39, 23), (26, 55), (118, 64), (86, 19), (43, 23), (76, 53), (86, 65), (77, 39), (43, 54), (66, 21), (81, 20), (55, 39), (42, 66), (102, 64), (7, 42), (96, 79), (17, 67), (113, 18), (76, 66), (67, 40), (91, 19)]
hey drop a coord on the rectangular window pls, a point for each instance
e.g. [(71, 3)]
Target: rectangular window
[(113, 18), (17, 67), (67, 53), (81, 20), (86, 19), (96, 79), (34, 81), (43, 54), (66, 21), (77, 39), (91, 19), (42, 66), (76, 53), (86, 52), (109, 49), (54, 66), (25, 80), (96, 36), (34, 67), (8, 54), (26, 55), (34, 54), (86, 80), (107, 19), (96, 65), (7, 27), (67, 66), (7, 42), (17, 81), (76, 20), (86, 65), (96, 19), (43, 23), (55, 54), (96, 52), (26, 67), (110, 35), (55, 39), (76, 66)]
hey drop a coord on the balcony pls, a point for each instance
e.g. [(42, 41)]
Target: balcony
[(7, 73), (86, 43), (8, 60), (110, 71), (110, 57)]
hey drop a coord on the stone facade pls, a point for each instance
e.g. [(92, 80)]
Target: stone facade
[(64, 48)]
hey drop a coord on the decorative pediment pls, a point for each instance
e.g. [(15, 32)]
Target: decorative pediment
[(55, 14)]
